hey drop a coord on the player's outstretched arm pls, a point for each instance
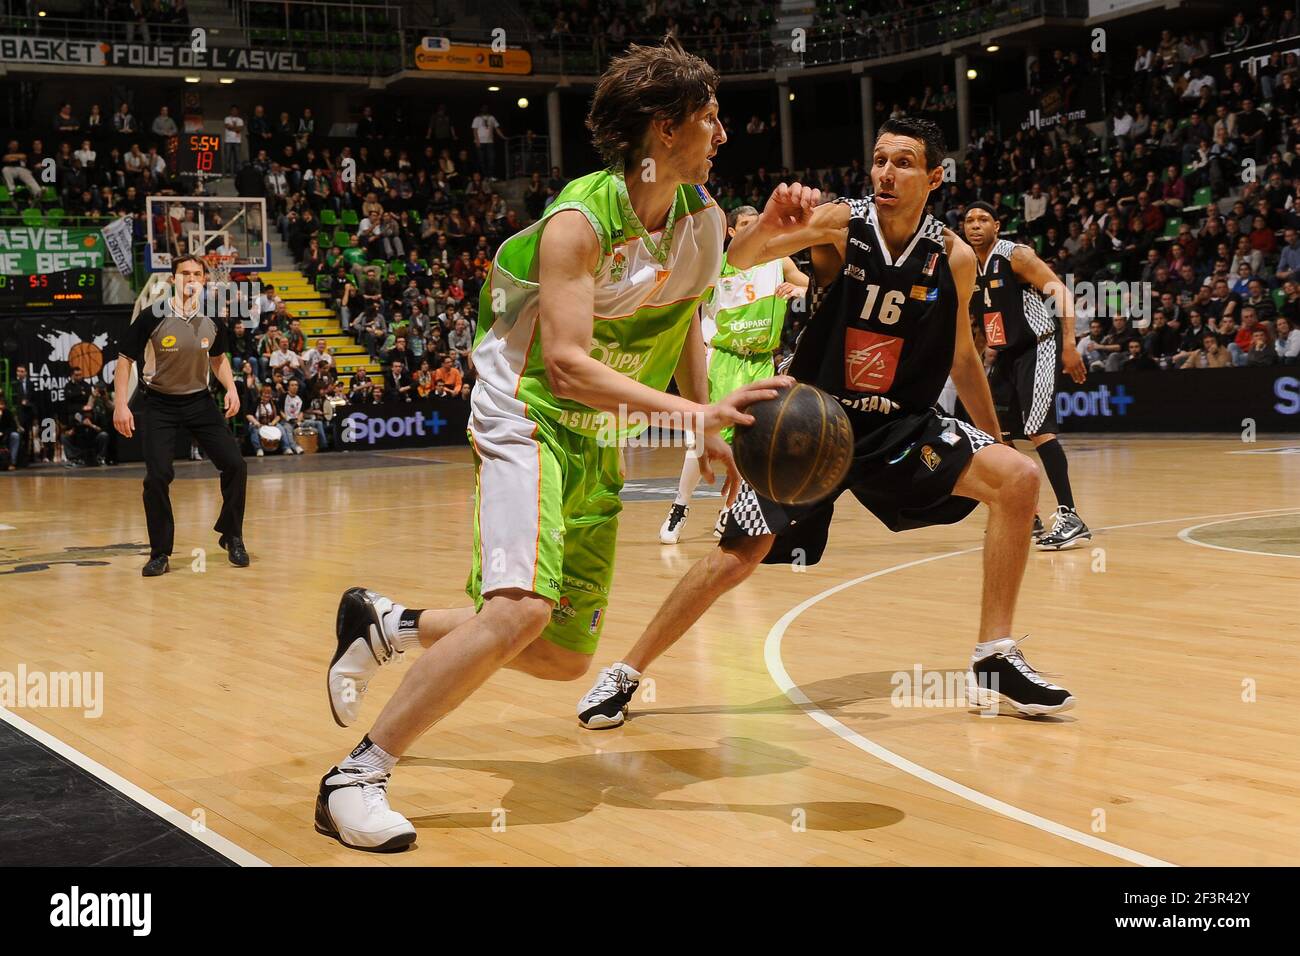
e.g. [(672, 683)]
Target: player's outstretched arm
[(793, 219), (1060, 301), (570, 255), (967, 366)]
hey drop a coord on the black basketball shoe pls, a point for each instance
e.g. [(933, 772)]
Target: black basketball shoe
[(361, 648), (605, 705), (671, 529), (1038, 528), (1005, 675), (1068, 531)]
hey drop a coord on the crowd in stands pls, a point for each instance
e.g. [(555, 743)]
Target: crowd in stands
[(1192, 191)]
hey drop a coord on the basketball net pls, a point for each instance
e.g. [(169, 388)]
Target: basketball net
[(219, 267)]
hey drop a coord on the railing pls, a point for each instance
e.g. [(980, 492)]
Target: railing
[(91, 28), (526, 155), (306, 20)]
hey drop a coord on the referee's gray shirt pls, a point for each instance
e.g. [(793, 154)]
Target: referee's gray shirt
[(173, 350)]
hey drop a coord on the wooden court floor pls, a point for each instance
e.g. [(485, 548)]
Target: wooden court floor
[(773, 734)]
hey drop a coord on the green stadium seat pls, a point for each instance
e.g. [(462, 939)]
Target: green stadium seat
[(350, 218), (1279, 298), (397, 267), (1203, 197), (322, 282), (1171, 226), (341, 237), (33, 218), (328, 218)]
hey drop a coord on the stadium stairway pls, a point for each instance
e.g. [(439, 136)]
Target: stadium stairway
[(318, 319)]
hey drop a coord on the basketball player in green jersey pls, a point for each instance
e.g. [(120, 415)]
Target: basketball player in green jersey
[(741, 320), (585, 317)]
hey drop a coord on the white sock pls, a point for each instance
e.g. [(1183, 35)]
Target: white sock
[(690, 479), (405, 635), (369, 756), (988, 648), (627, 669)]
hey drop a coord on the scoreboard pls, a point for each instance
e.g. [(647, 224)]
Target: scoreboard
[(51, 290), (199, 154)]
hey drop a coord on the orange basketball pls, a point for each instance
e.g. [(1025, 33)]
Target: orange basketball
[(86, 356)]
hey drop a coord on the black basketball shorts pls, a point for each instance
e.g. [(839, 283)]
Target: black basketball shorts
[(1024, 390), (902, 473)]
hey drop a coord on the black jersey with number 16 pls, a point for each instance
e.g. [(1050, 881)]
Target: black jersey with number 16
[(882, 339)]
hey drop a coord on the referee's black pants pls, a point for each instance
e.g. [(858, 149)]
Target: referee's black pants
[(158, 418)]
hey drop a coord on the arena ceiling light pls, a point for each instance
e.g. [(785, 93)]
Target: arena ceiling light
[(522, 102), (226, 80), (191, 79), (972, 73), (992, 48), (494, 89)]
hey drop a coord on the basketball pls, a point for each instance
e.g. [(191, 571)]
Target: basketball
[(87, 357), (798, 449)]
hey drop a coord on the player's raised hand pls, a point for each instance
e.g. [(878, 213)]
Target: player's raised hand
[(789, 207)]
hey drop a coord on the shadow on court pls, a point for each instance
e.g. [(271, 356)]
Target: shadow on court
[(563, 790), (831, 695)]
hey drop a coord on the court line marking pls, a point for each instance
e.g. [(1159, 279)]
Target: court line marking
[(215, 841), (1186, 535), (776, 670)]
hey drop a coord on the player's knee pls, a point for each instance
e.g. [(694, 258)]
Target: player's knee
[(1021, 481), (736, 560), (518, 616)]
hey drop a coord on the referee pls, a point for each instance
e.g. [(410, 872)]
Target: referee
[(178, 344)]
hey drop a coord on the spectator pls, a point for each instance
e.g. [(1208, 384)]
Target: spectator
[(1210, 355), (1287, 341), (233, 139), (11, 435), (16, 170), (486, 131), (448, 381), (163, 125)]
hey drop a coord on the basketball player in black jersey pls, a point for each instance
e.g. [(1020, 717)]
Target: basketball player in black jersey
[(1016, 304), (893, 325)]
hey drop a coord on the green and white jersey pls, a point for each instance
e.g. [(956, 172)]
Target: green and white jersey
[(744, 314), (647, 287)]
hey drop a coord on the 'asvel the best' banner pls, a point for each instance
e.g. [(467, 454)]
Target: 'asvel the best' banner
[(26, 250)]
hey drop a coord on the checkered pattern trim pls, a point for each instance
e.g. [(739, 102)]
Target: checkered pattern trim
[(1044, 386), (746, 513), (858, 208), (1003, 248), (978, 439), (1036, 314), (932, 229)]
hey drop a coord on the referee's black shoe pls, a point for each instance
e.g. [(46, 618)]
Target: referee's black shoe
[(234, 550), (157, 565)]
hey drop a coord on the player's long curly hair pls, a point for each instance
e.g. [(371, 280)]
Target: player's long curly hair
[(644, 84)]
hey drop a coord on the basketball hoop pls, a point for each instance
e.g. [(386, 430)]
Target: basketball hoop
[(219, 266)]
